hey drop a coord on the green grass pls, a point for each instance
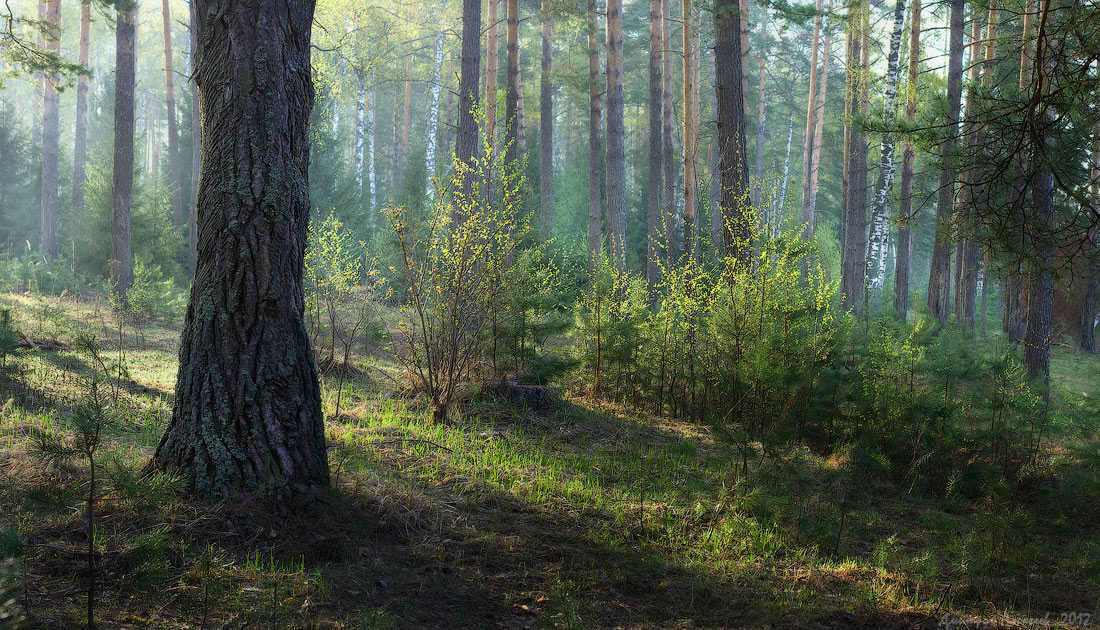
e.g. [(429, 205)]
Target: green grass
[(590, 516)]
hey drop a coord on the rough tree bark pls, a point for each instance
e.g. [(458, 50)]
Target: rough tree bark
[(939, 278), (653, 215), (1040, 304), (906, 214), (1092, 287), (616, 137), (178, 217), (546, 128), (761, 116), (809, 204), (731, 131), (80, 138), (880, 227), (406, 124), (512, 130), (595, 189), (247, 417), (51, 130), (691, 130), (122, 184)]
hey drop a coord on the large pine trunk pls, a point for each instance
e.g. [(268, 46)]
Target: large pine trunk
[(122, 185), (178, 217), (669, 175), (906, 214), (939, 278), (736, 234), (595, 188), (512, 93), (546, 128), (809, 208), (80, 138), (616, 137), (1015, 323), (653, 215), (967, 249), (51, 129), (761, 120), (880, 228), (247, 418), (1092, 288)]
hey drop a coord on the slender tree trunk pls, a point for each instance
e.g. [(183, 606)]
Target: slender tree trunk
[(1015, 320), (616, 138), (653, 215), (809, 204), (907, 215), (359, 150), (731, 130), (669, 176), (433, 110), (512, 131), (372, 131), (715, 170), (691, 130), (122, 259), (39, 87), (51, 129), (968, 250), (854, 210), (247, 417), (196, 141), (1092, 282), (178, 218), (761, 118), (80, 140), (595, 191), (406, 124), (467, 146), (546, 128), (939, 279), (521, 124), (781, 206), (811, 117), (880, 226), (492, 54)]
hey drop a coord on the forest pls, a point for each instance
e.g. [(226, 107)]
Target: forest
[(562, 314)]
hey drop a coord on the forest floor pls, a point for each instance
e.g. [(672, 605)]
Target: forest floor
[(586, 516)]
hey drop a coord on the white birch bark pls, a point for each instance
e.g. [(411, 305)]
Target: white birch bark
[(433, 111), (880, 228), (372, 131), (360, 136), (786, 168)]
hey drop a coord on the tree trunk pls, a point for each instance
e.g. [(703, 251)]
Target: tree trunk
[(939, 279), (433, 109), (178, 218), (1092, 287), (906, 213), (247, 417), (466, 143), (122, 259), (854, 210), (809, 207), (492, 54), (546, 129), (372, 133), (691, 130), (781, 206), (595, 191), (811, 117), (653, 214), (359, 150), (968, 250), (80, 139), (880, 227), (196, 142), (406, 123), (1015, 321), (51, 129), (761, 117), (1040, 303), (512, 132), (616, 138), (731, 131), (668, 178)]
